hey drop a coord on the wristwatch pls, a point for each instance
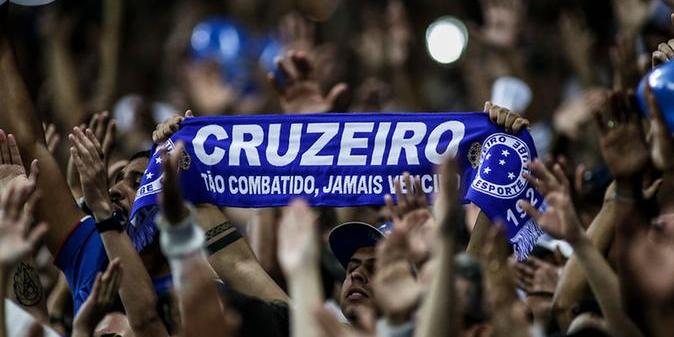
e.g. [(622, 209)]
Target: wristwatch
[(116, 222)]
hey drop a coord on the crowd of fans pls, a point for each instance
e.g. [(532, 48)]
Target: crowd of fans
[(86, 88)]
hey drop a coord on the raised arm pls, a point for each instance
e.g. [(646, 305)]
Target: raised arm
[(560, 220), (17, 240), (299, 257), (439, 312), (56, 207), (182, 241), (136, 290), (572, 282)]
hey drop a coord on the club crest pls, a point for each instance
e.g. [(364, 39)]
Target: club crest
[(503, 161)]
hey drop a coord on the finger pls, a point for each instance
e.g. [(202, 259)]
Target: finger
[(541, 172), (79, 163), (36, 235), (92, 122), (530, 210), (501, 117), (561, 177), (666, 49), (109, 140), (303, 65), (519, 124), (53, 142), (28, 208), (400, 198), (419, 195), (48, 131), (34, 170), (536, 183), (189, 114), (536, 263), (578, 180), (288, 68), (409, 195), (390, 206), (93, 141), (658, 58), (13, 147), (102, 125), (4, 150), (510, 119), (275, 83), (336, 91)]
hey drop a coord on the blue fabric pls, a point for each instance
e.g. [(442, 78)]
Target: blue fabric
[(81, 257), (347, 159)]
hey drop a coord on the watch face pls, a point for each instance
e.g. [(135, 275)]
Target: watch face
[(29, 2)]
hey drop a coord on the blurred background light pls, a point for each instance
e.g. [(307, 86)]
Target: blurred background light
[(446, 39)]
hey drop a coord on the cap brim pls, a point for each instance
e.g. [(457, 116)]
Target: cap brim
[(347, 238), (30, 2)]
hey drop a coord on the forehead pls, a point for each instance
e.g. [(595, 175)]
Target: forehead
[(364, 253), (137, 165)]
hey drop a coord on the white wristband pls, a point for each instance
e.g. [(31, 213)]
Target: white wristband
[(181, 239)]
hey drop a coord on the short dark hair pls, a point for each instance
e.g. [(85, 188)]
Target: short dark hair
[(141, 154)]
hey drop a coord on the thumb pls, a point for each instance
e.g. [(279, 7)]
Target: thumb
[(336, 91)]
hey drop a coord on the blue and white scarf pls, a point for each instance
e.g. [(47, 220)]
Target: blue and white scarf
[(345, 159)]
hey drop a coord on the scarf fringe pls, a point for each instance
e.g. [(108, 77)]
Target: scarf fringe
[(525, 240)]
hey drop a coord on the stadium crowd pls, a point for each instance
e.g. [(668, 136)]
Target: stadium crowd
[(86, 88)]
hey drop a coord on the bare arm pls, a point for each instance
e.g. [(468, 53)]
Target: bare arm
[(560, 220), (182, 241), (298, 253), (136, 289), (438, 311), (109, 52), (572, 283), (56, 207)]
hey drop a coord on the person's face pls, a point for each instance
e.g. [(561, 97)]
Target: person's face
[(357, 290), (126, 183)]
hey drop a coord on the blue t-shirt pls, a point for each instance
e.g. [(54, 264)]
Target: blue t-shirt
[(81, 257)]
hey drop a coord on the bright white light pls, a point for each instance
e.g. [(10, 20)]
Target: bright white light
[(446, 39)]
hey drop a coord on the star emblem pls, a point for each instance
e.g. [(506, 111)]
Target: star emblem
[(488, 156), (511, 175), (149, 175), (157, 160), (501, 162), (505, 153), (486, 170)]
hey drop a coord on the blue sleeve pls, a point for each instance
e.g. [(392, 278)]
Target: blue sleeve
[(80, 258)]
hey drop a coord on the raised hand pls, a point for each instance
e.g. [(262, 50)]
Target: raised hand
[(578, 41), (413, 199), (299, 91), (88, 157), (100, 300), (296, 33), (395, 288), (166, 129), (171, 199), (503, 19), (11, 164), (505, 118), (297, 238), (665, 52), (632, 14), (104, 129), (537, 276), (17, 239), (662, 150), (621, 138), (559, 218)]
